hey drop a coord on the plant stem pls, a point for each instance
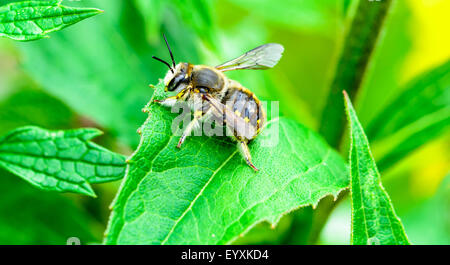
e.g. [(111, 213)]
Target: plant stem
[(360, 42), (362, 36)]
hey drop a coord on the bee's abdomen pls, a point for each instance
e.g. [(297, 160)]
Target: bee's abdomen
[(244, 104)]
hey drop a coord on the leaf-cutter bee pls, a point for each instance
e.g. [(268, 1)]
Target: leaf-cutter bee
[(220, 97)]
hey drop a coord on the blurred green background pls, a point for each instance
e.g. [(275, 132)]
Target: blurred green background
[(96, 74)]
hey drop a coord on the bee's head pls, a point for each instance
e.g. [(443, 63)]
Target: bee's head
[(178, 79), (177, 76)]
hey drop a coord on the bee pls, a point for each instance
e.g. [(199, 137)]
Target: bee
[(239, 109)]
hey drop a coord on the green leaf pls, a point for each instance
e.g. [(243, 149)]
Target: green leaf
[(102, 70), (196, 15), (384, 78), (33, 20), (64, 161), (320, 16), (36, 222), (32, 107), (152, 12), (292, 229), (359, 45), (373, 218), (417, 115), (206, 194), (346, 5), (428, 221), (200, 16), (29, 216)]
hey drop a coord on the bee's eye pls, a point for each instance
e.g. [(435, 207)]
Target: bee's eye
[(175, 82)]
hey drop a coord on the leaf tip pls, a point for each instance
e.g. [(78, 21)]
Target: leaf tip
[(348, 103), (90, 133), (96, 11), (88, 191), (345, 95)]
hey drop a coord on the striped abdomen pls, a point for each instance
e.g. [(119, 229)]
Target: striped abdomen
[(244, 104)]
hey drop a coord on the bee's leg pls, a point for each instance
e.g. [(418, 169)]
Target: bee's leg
[(243, 147), (168, 102), (191, 126)]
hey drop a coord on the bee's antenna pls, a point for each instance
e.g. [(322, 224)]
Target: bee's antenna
[(164, 62), (168, 47)]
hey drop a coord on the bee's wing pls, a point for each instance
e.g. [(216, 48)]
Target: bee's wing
[(262, 57), (236, 123)]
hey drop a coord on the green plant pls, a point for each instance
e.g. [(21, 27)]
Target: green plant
[(63, 161), (204, 193), (32, 20), (373, 218), (223, 191)]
